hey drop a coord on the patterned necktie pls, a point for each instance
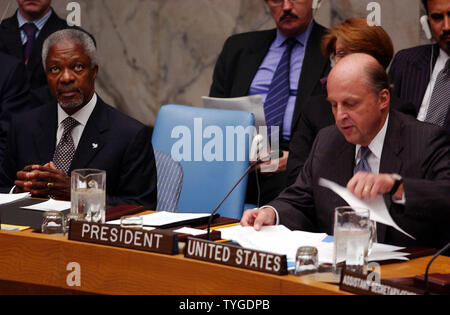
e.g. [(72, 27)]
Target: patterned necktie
[(440, 99), (30, 30), (66, 148), (363, 165), (278, 95)]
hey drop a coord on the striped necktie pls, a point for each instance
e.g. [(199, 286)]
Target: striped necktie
[(30, 30), (278, 95), (440, 99), (363, 165)]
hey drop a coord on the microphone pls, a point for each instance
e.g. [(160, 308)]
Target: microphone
[(254, 155), (425, 291)]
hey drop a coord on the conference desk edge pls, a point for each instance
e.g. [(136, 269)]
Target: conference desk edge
[(42, 261)]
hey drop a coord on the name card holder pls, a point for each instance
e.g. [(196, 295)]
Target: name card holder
[(158, 241), (360, 284), (235, 256)]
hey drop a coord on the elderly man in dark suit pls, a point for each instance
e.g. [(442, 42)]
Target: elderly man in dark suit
[(255, 63), (78, 131), (421, 74), (14, 91), (372, 150)]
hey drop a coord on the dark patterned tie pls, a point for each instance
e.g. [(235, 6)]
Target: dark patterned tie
[(363, 165), (66, 148), (440, 99), (30, 30), (278, 95)]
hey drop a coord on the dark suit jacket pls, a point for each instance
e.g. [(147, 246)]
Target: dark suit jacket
[(14, 93), (420, 152), (317, 115), (410, 73), (235, 69), (124, 151), (11, 44), (242, 55)]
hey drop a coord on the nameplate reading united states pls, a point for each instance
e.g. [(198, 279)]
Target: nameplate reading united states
[(235, 256), (159, 241)]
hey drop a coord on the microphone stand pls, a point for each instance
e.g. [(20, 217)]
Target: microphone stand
[(425, 291), (252, 165)]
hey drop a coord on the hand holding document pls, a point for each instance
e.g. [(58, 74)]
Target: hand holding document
[(377, 207)]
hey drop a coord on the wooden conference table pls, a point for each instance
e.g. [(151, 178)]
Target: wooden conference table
[(33, 263)]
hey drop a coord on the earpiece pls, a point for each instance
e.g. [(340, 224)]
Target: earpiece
[(316, 4), (426, 26)]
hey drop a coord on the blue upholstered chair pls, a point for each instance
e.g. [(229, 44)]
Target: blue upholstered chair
[(212, 147), (169, 182)]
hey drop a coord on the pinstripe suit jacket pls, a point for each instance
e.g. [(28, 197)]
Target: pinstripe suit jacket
[(420, 152), (410, 73)]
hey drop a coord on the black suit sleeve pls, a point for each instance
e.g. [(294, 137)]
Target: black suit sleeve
[(137, 183), (14, 96)]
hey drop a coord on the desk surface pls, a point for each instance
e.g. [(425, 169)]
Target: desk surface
[(33, 260)]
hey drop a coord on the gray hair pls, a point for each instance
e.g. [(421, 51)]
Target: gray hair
[(75, 35)]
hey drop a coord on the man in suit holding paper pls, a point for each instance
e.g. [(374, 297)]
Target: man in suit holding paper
[(76, 131), (249, 64), (371, 150)]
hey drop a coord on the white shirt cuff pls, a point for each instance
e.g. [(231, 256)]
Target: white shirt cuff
[(276, 213)]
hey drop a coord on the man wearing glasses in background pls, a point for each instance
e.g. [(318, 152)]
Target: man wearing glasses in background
[(285, 66)]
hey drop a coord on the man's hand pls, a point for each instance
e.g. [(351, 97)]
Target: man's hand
[(44, 180), (258, 217), (275, 166), (369, 185)]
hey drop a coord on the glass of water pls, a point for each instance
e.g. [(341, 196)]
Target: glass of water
[(132, 222), (354, 233), (53, 222), (307, 260), (88, 195)]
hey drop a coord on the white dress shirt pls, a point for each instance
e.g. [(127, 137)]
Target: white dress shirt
[(82, 116)]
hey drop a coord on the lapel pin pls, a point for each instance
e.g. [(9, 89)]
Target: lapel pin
[(94, 146)]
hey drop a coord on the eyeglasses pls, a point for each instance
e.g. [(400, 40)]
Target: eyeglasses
[(277, 3)]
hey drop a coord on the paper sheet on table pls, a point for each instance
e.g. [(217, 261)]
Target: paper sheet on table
[(163, 218), (190, 231), (51, 204), (9, 198), (377, 207), (252, 104), (276, 239), (379, 252)]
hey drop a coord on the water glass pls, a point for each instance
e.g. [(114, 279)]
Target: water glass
[(354, 233), (53, 223), (307, 260), (88, 195)]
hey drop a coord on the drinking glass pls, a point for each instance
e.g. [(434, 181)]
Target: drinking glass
[(354, 233), (131, 222), (88, 195), (52, 222), (306, 260)]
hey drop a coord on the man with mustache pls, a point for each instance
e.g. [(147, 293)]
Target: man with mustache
[(372, 150), (78, 130), (421, 74), (252, 63)]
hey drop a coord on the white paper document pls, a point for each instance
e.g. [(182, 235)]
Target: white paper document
[(377, 207), (252, 104), (51, 204), (190, 231), (163, 218), (278, 239), (9, 198)]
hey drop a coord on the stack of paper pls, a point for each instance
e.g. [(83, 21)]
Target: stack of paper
[(50, 205), (164, 218), (280, 240), (9, 198)]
